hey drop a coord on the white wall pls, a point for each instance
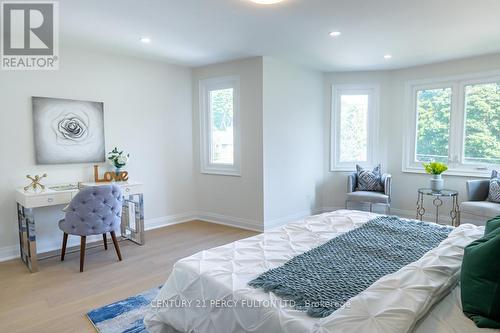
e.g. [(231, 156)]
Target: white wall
[(392, 128), (234, 200), (293, 142), (147, 112)]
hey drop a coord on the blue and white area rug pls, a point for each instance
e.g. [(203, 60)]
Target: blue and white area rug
[(125, 316)]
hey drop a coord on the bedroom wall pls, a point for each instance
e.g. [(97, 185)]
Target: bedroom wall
[(293, 142), (147, 112), (335, 183), (392, 128), (234, 200)]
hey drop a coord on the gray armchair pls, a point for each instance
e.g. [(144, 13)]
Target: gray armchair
[(477, 206), (369, 197)]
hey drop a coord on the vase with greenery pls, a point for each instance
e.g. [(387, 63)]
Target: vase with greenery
[(436, 169), (118, 158)]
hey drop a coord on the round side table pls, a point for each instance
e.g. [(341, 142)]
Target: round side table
[(438, 202)]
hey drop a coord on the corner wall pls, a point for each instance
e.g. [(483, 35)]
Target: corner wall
[(293, 142), (237, 201)]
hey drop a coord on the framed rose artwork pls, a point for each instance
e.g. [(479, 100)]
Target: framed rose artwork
[(68, 131)]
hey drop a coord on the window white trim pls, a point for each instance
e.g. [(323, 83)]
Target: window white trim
[(205, 87), (373, 92), (457, 123)]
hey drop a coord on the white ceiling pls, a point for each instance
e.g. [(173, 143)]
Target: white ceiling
[(199, 32)]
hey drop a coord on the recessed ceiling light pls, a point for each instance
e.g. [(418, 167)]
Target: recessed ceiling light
[(145, 40), (266, 2), (387, 57), (335, 33)]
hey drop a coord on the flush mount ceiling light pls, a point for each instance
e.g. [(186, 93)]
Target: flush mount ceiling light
[(266, 2), (335, 33), (145, 40), (387, 57)]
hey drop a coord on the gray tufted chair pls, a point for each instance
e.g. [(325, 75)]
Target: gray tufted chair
[(95, 210)]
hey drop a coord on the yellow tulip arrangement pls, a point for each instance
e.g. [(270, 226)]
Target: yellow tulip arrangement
[(435, 168)]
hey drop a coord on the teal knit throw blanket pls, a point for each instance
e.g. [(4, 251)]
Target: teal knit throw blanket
[(323, 279)]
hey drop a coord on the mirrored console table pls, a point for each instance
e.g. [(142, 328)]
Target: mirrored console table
[(132, 225)]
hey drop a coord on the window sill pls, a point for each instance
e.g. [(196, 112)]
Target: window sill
[(346, 169), (221, 172), (352, 167), (452, 172)]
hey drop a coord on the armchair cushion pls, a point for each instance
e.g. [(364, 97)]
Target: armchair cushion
[(368, 196), (484, 209), (369, 180), (494, 191)]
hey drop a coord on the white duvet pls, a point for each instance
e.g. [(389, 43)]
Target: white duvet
[(208, 292)]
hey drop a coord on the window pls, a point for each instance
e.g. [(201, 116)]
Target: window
[(455, 121), (354, 126), (219, 119), (482, 124), (433, 124)]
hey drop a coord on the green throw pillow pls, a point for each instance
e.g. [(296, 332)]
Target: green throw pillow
[(492, 224), (480, 280)]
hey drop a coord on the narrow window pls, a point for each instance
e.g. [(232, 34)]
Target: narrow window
[(221, 126), (354, 126), (219, 116), (482, 124), (433, 124)]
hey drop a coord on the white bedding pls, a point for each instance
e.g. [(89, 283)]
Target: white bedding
[(208, 291)]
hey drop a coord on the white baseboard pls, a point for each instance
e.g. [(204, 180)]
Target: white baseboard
[(160, 222), (291, 218), (9, 252), (232, 221)]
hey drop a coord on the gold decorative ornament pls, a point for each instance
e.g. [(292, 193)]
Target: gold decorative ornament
[(109, 176), (35, 182)]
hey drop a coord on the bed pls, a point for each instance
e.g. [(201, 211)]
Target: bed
[(209, 291)]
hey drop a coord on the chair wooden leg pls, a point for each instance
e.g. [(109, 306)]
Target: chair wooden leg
[(115, 243), (105, 239), (65, 242), (82, 251)]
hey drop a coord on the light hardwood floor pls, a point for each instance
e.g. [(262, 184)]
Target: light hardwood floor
[(57, 298)]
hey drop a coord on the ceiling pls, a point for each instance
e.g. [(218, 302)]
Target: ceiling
[(199, 32)]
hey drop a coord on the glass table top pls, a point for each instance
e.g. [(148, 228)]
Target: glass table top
[(442, 193)]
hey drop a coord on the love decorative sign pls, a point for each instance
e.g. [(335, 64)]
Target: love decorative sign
[(110, 176)]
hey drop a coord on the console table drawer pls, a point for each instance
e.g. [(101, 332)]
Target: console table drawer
[(131, 189), (48, 200)]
